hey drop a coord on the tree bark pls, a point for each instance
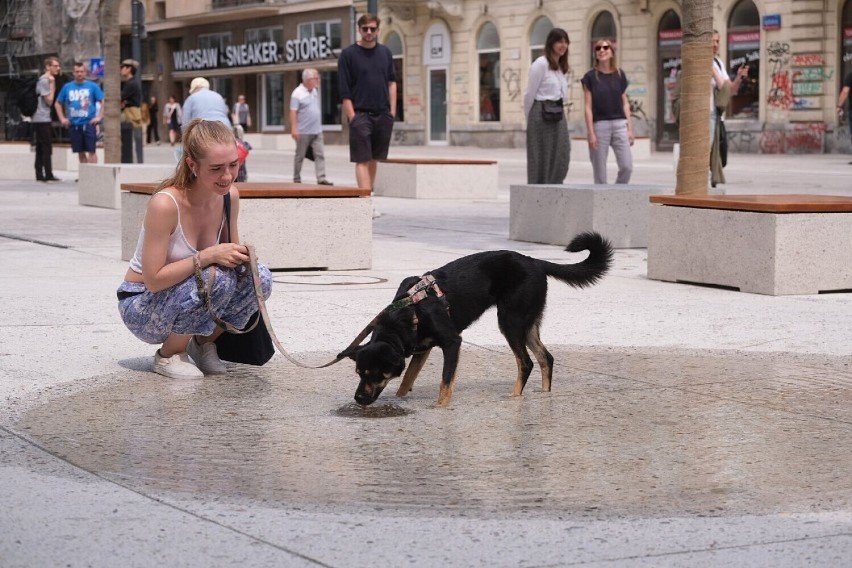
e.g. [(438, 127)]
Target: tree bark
[(111, 36), (693, 165)]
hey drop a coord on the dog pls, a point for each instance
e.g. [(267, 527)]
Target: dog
[(433, 311)]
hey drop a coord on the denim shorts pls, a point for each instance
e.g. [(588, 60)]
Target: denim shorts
[(83, 138), (153, 316)]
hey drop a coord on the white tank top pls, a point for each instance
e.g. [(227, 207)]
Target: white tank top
[(179, 247)]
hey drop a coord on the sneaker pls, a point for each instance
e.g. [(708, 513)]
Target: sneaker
[(206, 357), (178, 366), (324, 182)]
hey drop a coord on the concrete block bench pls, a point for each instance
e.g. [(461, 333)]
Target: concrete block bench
[(18, 160), (100, 184), (765, 244), (65, 159), (292, 225), (554, 214), (437, 179), (264, 141)]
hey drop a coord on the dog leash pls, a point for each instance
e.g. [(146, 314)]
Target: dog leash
[(261, 306)]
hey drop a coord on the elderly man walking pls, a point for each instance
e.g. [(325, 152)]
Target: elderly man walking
[(306, 126)]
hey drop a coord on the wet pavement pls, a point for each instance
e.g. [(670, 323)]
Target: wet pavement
[(623, 434), (687, 426)]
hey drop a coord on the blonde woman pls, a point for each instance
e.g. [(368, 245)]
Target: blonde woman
[(608, 114), (185, 232), (548, 144)]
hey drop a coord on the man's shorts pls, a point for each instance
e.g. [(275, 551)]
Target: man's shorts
[(369, 136), (83, 138)]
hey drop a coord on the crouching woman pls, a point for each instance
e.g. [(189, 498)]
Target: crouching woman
[(186, 230)]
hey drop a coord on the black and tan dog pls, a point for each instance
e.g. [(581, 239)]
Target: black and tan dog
[(429, 312)]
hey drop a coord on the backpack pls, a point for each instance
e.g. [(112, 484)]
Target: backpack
[(24, 91)]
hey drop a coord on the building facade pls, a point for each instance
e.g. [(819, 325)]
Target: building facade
[(462, 65)]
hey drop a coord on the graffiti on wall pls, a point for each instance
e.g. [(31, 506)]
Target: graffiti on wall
[(801, 138), (797, 81), (512, 81), (780, 94)]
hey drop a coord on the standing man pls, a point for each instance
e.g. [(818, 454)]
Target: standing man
[(306, 125), (131, 112), (844, 96), (82, 97), (43, 123), (241, 114), (368, 93)]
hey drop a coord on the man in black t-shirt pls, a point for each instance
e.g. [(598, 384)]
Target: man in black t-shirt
[(368, 94), (131, 103)]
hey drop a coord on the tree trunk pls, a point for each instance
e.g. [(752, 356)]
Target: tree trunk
[(693, 166), (111, 35)]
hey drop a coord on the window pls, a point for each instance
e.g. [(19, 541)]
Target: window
[(394, 43), (845, 44), (217, 41), (744, 49), (330, 97), (262, 35), (602, 28), (329, 29), (488, 48), (538, 37)]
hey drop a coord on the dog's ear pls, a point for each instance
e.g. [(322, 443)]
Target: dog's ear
[(397, 364), (352, 352)]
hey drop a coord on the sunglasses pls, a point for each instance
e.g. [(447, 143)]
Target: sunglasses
[(371, 29), (601, 47)]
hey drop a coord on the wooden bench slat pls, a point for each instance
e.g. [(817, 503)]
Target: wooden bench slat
[(438, 161), (794, 203), (259, 190)]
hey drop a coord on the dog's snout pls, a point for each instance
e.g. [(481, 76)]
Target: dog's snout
[(363, 399)]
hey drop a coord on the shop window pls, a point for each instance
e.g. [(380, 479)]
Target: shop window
[(394, 43), (488, 48), (218, 41), (744, 49), (538, 37), (669, 40), (263, 35), (329, 29), (602, 28), (330, 97), (273, 101)]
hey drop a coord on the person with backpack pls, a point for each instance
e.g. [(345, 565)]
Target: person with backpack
[(42, 122), (81, 97)]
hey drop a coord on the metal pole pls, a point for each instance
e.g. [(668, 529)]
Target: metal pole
[(137, 16), (373, 6)]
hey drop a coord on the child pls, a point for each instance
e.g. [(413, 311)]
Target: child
[(243, 149)]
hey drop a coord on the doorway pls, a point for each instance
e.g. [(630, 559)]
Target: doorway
[(438, 106)]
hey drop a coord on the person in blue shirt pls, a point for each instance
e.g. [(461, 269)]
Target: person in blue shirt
[(368, 95), (80, 98)]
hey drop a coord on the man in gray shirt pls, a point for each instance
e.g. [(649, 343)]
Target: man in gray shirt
[(306, 126), (42, 122)]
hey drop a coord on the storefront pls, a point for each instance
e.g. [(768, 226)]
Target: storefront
[(669, 39), (262, 59)]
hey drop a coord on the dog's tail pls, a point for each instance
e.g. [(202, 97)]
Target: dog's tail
[(590, 270)]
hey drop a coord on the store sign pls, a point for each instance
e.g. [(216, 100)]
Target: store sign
[(250, 54)]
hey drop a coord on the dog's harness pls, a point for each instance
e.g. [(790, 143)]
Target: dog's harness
[(414, 295)]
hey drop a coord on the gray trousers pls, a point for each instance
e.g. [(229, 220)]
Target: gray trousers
[(313, 141), (612, 133)]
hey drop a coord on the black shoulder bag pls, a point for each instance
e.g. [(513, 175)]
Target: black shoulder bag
[(552, 111), (253, 345)]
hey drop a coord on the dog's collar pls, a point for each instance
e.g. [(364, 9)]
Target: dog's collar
[(418, 292)]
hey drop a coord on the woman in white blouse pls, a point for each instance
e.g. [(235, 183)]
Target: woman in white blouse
[(548, 143)]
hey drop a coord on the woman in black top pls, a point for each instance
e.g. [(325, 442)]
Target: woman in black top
[(608, 114)]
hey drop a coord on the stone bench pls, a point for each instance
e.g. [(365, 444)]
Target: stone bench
[(65, 159), (264, 141), (554, 214), (436, 179), (100, 184), (18, 160), (765, 244), (292, 225)]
